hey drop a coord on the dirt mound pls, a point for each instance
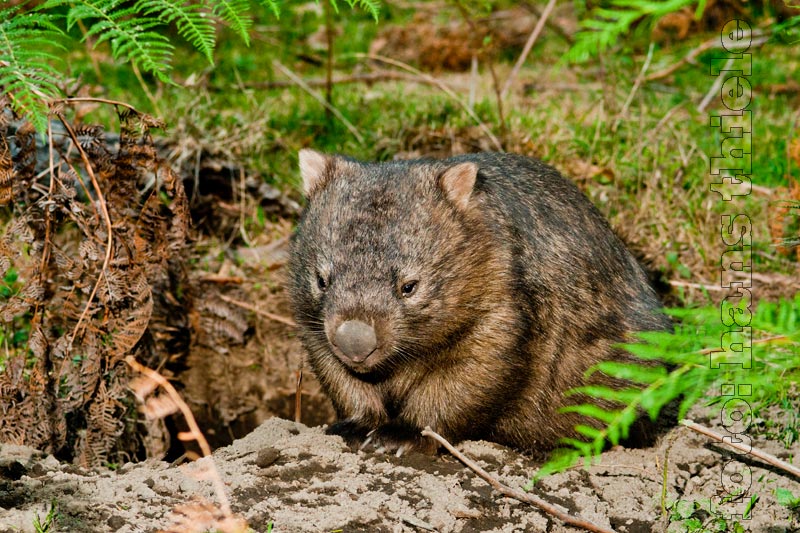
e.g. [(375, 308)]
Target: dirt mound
[(299, 479)]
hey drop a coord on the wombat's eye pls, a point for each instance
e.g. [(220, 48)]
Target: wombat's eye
[(321, 283), (408, 289)]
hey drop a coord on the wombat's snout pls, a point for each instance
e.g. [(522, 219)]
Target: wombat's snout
[(355, 339)]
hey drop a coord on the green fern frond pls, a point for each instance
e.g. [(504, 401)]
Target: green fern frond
[(272, 5), (373, 7), (27, 70), (129, 34), (235, 13), (606, 25), (193, 21), (689, 379)]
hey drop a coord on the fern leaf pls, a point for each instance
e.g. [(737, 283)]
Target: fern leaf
[(373, 7), (235, 13), (272, 5), (591, 411), (606, 25), (194, 23), (128, 32), (27, 73), (607, 393), (632, 371)]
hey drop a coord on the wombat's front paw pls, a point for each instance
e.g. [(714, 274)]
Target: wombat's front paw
[(399, 438), (351, 431)]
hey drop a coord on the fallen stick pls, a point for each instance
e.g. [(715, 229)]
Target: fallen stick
[(635, 88), (528, 45), (516, 493), (316, 96), (759, 39), (256, 310), (367, 78), (749, 450)]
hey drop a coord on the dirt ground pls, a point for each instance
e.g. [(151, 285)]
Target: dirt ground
[(299, 479)]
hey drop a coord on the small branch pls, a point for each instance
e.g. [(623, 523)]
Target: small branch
[(145, 88), (319, 98), (635, 88), (370, 77), (106, 218), (715, 87), (298, 395), (749, 450), (516, 493), (760, 38), (701, 286), (528, 45), (550, 24), (265, 314), (444, 88), (97, 100)]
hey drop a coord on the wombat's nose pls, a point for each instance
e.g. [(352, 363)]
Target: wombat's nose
[(356, 339)]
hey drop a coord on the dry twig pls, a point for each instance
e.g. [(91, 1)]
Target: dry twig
[(715, 87), (265, 314), (319, 98), (444, 88), (106, 218), (528, 45), (749, 450), (760, 38), (635, 87), (516, 493)]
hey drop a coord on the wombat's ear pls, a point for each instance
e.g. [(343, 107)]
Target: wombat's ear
[(457, 183), (315, 169)]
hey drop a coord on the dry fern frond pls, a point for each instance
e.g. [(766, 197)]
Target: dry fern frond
[(83, 278)]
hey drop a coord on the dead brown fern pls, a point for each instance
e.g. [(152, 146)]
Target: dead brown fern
[(90, 235)]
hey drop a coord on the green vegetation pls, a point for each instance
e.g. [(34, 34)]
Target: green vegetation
[(703, 516), (692, 353), (49, 524), (788, 499), (30, 67)]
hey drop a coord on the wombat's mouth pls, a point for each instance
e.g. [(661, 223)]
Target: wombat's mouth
[(360, 365)]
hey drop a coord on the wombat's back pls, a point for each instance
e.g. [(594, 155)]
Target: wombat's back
[(563, 246), (582, 290)]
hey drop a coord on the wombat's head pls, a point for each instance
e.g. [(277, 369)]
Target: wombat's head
[(389, 261)]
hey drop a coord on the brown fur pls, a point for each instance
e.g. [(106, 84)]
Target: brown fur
[(521, 286)]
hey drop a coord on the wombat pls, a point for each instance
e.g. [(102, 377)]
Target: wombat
[(465, 294)]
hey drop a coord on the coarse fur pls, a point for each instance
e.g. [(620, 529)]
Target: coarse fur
[(491, 282)]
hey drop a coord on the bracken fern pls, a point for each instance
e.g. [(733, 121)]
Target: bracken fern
[(27, 63), (194, 21), (134, 31), (130, 34), (235, 13), (605, 25), (687, 352)]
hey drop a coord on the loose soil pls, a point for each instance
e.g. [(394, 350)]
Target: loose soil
[(299, 479)]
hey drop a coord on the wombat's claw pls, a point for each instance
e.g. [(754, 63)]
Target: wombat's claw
[(366, 442), (381, 450), (400, 451)]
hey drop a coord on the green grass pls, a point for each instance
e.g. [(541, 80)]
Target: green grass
[(659, 176)]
